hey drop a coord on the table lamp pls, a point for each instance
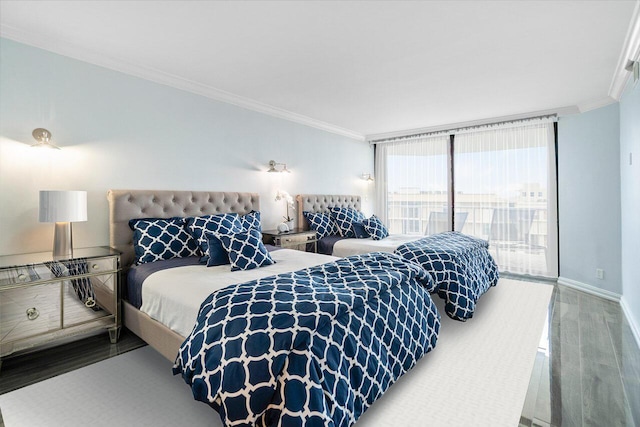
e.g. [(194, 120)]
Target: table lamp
[(63, 208)]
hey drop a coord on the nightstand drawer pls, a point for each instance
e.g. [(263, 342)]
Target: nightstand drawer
[(294, 239), (29, 311), (52, 270), (25, 274), (104, 288), (102, 265), (76, 311)]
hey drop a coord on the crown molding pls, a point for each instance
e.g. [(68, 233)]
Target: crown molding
[(630, 51), (560, 111), (598, 103), (73, 50)]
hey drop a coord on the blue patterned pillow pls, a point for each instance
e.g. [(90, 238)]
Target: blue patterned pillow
[(375, 228), (156, 239), (246, 250), (322, 223), (359, 230), (345, 217), (251, 221), (220, 223)]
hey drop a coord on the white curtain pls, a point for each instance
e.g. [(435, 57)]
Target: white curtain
[(380, 172), (411, 184), (502, 188), (505, 186)]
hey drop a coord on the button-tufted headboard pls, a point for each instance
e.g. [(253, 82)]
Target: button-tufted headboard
[(129, 204), (322, 203)]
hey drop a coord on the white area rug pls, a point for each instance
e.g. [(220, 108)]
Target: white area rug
[(479, 372), (477, 375)]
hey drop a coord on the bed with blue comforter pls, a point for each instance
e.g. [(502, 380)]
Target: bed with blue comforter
[(314, 347), (461, 266)]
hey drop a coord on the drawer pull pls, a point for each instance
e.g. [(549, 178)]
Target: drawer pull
[(22, 277), (95, 266), (90, 302), (32, 313)]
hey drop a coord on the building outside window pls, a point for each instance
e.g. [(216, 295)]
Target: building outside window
[(499, 191)]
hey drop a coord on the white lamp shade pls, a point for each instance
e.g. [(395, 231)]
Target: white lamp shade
[(63, 206)]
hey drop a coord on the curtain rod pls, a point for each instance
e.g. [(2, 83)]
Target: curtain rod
[(552, 117)]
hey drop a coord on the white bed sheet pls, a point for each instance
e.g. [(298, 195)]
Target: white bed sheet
[(173, 296), (348, 247)]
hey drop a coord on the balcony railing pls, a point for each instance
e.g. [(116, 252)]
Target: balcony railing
[(517, 235)]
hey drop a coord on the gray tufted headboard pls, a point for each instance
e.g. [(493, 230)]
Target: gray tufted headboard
[(322, 203), (129, 204)]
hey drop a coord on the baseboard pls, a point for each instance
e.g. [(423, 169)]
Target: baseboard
[(612, 296), (603, 293), (635, 328)]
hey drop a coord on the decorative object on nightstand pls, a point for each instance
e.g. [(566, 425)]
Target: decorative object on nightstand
[(282, 227), (44, 299), (43, 137), (287, 225), (297, 238), (63, 207)]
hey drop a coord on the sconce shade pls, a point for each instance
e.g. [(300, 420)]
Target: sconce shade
[(273, 167), (43, 137), (367, 177), (63, 206)]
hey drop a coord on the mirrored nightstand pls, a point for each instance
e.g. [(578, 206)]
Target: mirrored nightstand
[(302, 240), (43, 300)]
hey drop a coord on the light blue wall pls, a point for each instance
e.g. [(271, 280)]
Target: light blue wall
[(630, 190), (119, 131), (589, 197)]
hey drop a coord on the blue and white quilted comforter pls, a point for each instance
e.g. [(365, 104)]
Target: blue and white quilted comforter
[(315, 347), (461, 265)]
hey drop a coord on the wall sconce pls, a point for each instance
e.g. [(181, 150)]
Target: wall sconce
[(273, 167), (63, 207), (633, 67), (367, 177), (43, 137)]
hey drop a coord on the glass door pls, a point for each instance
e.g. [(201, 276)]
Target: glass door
[(505, 192), (417, 185)]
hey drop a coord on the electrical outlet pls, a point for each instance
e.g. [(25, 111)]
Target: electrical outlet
[(599, 273)]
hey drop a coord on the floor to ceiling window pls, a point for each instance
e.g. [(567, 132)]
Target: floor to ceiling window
[(417, 184), (495, 182)]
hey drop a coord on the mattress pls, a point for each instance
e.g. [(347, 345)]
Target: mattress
[(173, 296), (348, 247), (139, 273)]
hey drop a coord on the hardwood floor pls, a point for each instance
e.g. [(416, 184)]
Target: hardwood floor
[(26, 369), (587, 369)]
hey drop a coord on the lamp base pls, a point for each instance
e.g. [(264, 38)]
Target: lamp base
[(62, 239)]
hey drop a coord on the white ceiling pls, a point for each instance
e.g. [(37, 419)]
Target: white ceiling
[(357, 68)]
